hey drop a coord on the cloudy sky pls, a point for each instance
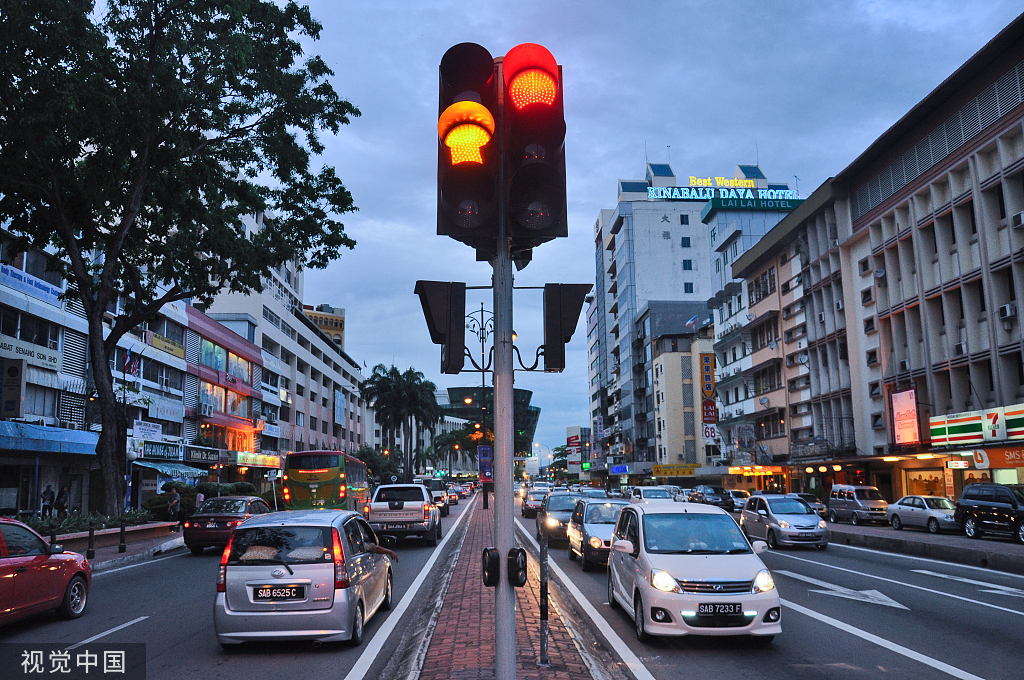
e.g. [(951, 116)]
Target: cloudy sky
[(800, 87)]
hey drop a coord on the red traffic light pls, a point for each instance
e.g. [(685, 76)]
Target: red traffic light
[(531, 75)]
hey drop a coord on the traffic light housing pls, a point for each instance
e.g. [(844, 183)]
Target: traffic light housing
[(444, 308), (491, 567), (534, 147), (467, 149), (563, 303), (515, 567)]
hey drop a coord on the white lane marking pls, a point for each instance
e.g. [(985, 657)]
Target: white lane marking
[(107, 632), (950, 565), (133, 566), (987, 587), (370, 652), (882, 642), (636, 667), (872, 596), (901, 583)]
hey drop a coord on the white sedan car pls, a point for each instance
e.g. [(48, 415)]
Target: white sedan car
[(689, 570)]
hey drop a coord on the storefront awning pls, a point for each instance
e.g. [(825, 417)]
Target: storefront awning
[(17, 436), (173, 469)]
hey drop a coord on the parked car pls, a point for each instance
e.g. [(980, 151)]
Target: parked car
[(812, 501), (590, 530), (650, 493), (302, 575), (739, 498), (532, 503), (37, 577), (996, 508), (683, 495), (553, 515), (934, 513), (715, 495), (213, 521), (856, 503), (783, 520), (404, 510), (688, 570)]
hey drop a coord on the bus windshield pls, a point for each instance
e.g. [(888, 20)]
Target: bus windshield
[(314, 461)]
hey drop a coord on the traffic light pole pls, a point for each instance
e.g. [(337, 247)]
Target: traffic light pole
[(504, 533)]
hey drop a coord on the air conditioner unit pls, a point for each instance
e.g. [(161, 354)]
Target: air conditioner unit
[(206, 410), (1017, 221), (1008, 311), (680, 456), (821, 317), (904, 365), (739, 411), (960, 349), (839, 305)]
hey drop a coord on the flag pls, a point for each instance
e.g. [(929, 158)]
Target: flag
[(692, 321), (132, 362)]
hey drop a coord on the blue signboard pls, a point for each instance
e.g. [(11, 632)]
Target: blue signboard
[(485, 459), (620, 469)]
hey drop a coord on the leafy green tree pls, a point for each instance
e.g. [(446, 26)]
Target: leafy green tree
[(137, 141), (402, 400), (380, 465)]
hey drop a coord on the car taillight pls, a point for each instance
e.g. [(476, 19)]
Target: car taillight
[(366, 511), (340, 570), (233, 523), (426, 512), (222, 575), (188, 524)]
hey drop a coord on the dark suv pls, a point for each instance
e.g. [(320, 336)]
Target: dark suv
[(715, 495), (997, 508)]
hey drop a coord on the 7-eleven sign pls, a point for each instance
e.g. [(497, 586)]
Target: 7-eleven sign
[(994, 423)]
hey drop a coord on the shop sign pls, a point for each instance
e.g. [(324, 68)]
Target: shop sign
[(957, 428), (1014, 421), (271, 430), (620, 469), (994, 422), (904, 418), (12, 277), (163, 408), (201, 454), (957, 464), (161, 450), (1001, 457), (707, 376), (710, 433), (709, 412), (755, 470), (250, 459), (35, 355), (145, 430), (12, 388), (947, 476), (675, 470), (164, 344)]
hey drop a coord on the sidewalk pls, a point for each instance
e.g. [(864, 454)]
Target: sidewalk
[(137, 551), (462, 646)]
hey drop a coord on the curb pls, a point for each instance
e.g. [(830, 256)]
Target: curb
[(972, 557), (166, 546)]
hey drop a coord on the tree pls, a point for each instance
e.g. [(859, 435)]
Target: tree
[(402, 400), (377, 462), (137, 145)]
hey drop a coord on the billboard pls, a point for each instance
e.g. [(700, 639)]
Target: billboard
[(707, 375), (574, 447), (905, 430)]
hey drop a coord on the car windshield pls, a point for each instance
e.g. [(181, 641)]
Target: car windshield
[(938, 503), (868, 495), (717, 490), (603, 513), (656, 493), (1017, 491), (319, 461), (790, 506), (692, 533), (537, 496), (226, 505), (277, 545), (560, 503), (398, 493), (736, 493), (809, 497)]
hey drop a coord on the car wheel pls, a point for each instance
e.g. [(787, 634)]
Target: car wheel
[(357, 627), (389, 594), (897, 523), (971, 528), (933, 525), (572, 554), (773, 542), (432, 538), (611, 592), (584, 562), (854, 520), (1019, 533), (439, 535), (832, 517), (76, 596), (639, 621), (196, 549)]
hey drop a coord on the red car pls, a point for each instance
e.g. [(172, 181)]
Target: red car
[(213, 522), (37, 577)]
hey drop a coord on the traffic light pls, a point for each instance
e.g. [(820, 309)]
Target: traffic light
[(467, 151), (563, 303), (444, 308), (491, 567), (534, 140)]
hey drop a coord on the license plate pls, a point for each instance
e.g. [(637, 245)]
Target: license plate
[(211, 525), (719, 609), (273, 593), (804, 534), (394, 526)]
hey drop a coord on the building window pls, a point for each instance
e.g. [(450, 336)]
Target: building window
[(214, 356), (237, 405), (685, 242), (687, 265), (312, 423), (867, 296), (874, 389), (872, 357), (869, 324), (239, 368), (718, 266), (29, 328), (684, 219), (300, 419), (877, 422), (687, 287)]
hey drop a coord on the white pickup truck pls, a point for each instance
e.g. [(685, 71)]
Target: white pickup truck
[(404, 510)]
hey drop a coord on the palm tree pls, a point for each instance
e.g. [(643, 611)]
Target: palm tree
[(402, 400)]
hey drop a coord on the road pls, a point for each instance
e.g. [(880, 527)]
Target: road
[(168, 603), (847, 613)]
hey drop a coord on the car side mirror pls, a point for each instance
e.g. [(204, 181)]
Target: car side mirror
[(56, 549), (388, 542), (623, 546), (762, 512), (759, 547)]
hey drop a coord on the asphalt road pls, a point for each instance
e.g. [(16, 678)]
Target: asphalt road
[(168, 604), (847, 613)]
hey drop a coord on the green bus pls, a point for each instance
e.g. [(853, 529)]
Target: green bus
[(324, 480)]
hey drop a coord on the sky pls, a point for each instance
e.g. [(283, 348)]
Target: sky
[(801, 88)]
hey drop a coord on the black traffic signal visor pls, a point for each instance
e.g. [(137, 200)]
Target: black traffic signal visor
[(466, 70)]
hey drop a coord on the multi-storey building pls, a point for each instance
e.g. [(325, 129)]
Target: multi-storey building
[(330, 320)]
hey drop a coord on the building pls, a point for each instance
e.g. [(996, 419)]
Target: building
[(330, 320)]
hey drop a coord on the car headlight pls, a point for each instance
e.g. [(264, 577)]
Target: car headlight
[(552, 522), (784, 524), (596, 542), (763, 582), (663, 581), (821, 524)]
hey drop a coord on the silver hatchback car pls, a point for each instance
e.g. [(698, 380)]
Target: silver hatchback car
[(301, 575), (783, 520)]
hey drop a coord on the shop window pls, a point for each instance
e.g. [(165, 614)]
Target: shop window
[(237, 405), (214, 356), (211, 394), (239, 368), (928, 482)]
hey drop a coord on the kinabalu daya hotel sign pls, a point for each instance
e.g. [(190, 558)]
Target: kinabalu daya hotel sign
[(700, 193)]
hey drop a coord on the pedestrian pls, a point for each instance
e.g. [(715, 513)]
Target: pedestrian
[(173, 506), (61, 504), (46, 509), (200, 497)]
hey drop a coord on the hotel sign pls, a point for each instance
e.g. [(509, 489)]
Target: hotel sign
[(707, 375), (724, 193), (904, 418)]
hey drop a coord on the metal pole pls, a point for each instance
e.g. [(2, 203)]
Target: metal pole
[(504, 536), (90, 552), (122, 546), (544, 599)]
